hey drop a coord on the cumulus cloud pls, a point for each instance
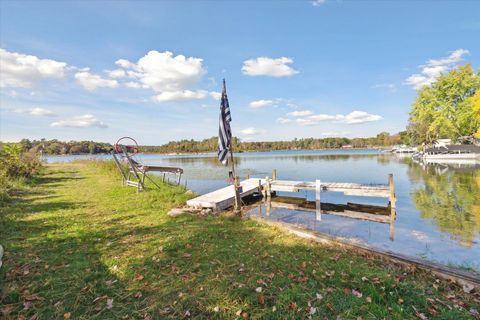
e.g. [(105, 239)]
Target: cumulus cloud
[(434, 68), (283, 120), (317, 3), (162, 71), (250, 131), (92, 81), (21, 70), (181, 95), (36, 112), (302, 113), (185, 95), (260, 104), (84, 121), (265, 66), (216, 95), (354, 117), (117, 73)]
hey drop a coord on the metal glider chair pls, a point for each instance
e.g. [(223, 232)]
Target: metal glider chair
[(137, 172)]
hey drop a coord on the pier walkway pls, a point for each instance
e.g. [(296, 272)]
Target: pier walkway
[(224, 198)]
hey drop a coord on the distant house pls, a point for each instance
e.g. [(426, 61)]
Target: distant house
[(442, 149), (347, 146)]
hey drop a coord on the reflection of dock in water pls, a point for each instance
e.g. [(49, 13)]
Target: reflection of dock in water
[(351, 210)]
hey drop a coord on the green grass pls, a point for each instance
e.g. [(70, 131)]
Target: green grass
[(80, 246)]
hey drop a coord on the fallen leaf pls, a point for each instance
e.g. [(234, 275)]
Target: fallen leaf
[(400, 301), (216, 309), (138, 277), (239, 312), (27, 305), (357, 293), (188, 246), (259, 289), (274, 309), (311, 310), (261, 299), (292, 306), (419, 314), (475, 313), (186, 255), (467, 288), (187, 313), (369, 299), (67, 315), (319, 297), (138, 295), (364, 279), (109, 303)]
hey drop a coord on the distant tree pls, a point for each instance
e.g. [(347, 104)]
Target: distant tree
[(26, 144), (445, 109)]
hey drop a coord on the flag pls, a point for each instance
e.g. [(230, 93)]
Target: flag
[(224, 131)]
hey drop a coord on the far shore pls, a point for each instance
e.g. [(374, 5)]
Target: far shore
[(213, 152)]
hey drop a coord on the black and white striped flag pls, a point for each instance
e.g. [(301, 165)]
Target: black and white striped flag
[(224, 131)]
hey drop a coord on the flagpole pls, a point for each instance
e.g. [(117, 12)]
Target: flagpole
[(230, 149), (236, 180)]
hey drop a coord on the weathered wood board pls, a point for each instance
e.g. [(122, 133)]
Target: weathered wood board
[(224, 198)]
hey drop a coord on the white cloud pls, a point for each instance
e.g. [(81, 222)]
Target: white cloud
[(302, 113), (250, 131), (92, 81), (84, 121), (284, 120), (20, 70), (181, 95), (358, 117), (161, 71), (354, 117), (185, 95), (117, 73), (36, 112), (265, 66), (317, 3), (133, 85), (335, 134), (434, 68), (260, 103), (216, 95)]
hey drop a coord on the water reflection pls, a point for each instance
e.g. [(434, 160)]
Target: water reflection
[(449, 196)]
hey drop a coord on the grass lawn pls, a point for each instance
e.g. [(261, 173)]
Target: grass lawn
[(79, 246)]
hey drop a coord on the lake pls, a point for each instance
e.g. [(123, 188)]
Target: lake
[(438, 205)]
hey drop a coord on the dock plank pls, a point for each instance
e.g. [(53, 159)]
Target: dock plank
[(223, 198)]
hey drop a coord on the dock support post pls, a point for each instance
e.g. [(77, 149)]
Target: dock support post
[(318, 212), (268, 188), (392, 205), (274, 174), (238, 202)]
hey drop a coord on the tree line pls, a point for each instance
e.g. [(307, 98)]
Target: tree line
[(56, 147)]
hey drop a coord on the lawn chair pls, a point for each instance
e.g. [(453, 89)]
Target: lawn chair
[(135, 172)]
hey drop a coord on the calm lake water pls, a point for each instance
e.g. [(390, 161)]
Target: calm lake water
[(438, 206)]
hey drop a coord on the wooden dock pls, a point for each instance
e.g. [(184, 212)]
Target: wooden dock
[(225, 197)]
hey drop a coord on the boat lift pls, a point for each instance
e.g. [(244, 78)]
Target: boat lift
[(135, 172)]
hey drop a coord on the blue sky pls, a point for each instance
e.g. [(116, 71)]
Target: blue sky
[(152, 70)]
